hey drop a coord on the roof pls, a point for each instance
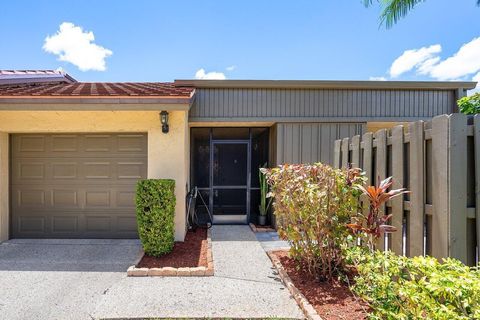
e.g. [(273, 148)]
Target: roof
[(100, 89), (327, 84), (34, 76), (131, 95)]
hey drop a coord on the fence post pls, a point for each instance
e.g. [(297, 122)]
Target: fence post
[(416, 220), (367, 156), (381, 170), (356, 152), (336, 153), (397, 173), (440, 188), (476, 143), (367, 165), (345, 146), (458, 187)]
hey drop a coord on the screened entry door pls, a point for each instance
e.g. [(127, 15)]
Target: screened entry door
[(230, 179)]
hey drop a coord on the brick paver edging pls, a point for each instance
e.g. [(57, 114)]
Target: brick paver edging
[(133, 271), (260, 229), (307, 308)]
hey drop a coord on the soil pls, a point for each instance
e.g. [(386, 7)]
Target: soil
[(190, 253), (332, 300)]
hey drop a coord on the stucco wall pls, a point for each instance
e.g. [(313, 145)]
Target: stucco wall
[(167, 153)]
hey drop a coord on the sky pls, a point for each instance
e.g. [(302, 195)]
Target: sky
[(249, 39)]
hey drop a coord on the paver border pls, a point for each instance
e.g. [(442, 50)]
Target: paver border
[(255, 229), (307, 309), (208, 271)]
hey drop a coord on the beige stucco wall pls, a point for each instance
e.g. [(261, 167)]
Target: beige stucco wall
[(167, 153)]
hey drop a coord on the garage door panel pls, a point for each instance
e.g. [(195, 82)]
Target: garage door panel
[(76, 185)]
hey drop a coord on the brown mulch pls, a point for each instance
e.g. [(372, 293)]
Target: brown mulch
[(190, 253), (331, 300)]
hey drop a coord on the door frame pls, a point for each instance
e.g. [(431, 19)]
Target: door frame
[(247, 187)]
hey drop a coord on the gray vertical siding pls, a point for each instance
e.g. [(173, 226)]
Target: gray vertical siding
[(289, 104), (311, 142)]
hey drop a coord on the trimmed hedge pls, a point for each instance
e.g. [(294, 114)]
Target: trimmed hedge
[(155, 206)]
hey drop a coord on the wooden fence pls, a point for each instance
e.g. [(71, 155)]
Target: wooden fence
[(439, 162)]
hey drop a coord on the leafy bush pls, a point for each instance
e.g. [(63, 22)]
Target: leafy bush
[(398, 287), (155, 204), (313, 204), (470, 105)]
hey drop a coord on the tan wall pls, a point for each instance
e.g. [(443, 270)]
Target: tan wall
[(375, 126), (167, 153)]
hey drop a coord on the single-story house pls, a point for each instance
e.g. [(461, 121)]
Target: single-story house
[(71, 152)]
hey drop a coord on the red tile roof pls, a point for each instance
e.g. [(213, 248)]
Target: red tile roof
[(96, 89)]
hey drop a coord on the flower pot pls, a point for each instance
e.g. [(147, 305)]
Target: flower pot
[(262, 220)]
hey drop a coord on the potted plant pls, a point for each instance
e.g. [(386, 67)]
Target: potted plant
[(265, 198)]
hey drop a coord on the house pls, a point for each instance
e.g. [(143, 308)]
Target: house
[(71, 152)]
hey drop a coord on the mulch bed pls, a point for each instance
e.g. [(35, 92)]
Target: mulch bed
[(190, 253), (331, 300)]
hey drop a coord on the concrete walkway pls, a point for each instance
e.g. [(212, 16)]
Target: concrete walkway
[(244, 285)]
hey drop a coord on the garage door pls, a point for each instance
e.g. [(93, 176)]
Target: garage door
[(75, 185)]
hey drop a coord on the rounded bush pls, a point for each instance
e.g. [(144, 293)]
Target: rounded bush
[(155, 207)]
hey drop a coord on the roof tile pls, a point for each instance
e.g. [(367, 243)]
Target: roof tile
[(102, 89)]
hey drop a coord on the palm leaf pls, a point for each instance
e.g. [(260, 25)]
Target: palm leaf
[(394, 10)]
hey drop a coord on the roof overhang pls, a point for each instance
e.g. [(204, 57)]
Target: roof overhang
[(327, 84), (92, 103)]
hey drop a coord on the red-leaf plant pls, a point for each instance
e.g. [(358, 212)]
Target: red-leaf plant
[(375, 223)]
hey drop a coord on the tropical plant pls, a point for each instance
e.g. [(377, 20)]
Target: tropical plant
[(470, 104), (265, 198), (313, 204), (398, 287), (375, 224), (394, 10)]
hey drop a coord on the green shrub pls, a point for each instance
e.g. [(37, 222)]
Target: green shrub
[(155, 203), (470, 104), (313, 204), (398, 287)]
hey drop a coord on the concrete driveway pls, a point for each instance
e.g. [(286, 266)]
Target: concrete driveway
[(86, 279)]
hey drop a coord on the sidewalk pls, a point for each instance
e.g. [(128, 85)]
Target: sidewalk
[(244, 286)]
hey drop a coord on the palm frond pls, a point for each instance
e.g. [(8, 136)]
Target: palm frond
[(394, 10)]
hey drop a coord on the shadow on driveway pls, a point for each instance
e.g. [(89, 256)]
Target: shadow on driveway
[(92, 255)]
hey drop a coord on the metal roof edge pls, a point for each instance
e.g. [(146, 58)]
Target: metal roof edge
[(325, 84)]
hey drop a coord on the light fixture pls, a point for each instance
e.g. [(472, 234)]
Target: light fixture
[(164, 121)]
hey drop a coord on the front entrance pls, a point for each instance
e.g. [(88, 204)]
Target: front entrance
[(224, 167)]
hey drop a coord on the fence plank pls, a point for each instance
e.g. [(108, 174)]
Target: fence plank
[(367, 164), (458, 187), (440, 217), (367, 156), (381, 170), (356, 152), (415, 242), (476, 137), (397, 203), (345, 145), (336, 153)]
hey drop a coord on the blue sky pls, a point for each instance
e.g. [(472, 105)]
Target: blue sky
[(167, 40)]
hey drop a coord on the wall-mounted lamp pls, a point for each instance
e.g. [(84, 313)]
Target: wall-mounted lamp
[(164, 121)]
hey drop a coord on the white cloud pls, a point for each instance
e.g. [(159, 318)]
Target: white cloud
[(464, 62), (413, 58), (213, 75), (72, 44), (377, 79), (231, 68)]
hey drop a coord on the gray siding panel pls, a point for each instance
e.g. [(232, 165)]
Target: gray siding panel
[(311, 142), (263, 104)]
